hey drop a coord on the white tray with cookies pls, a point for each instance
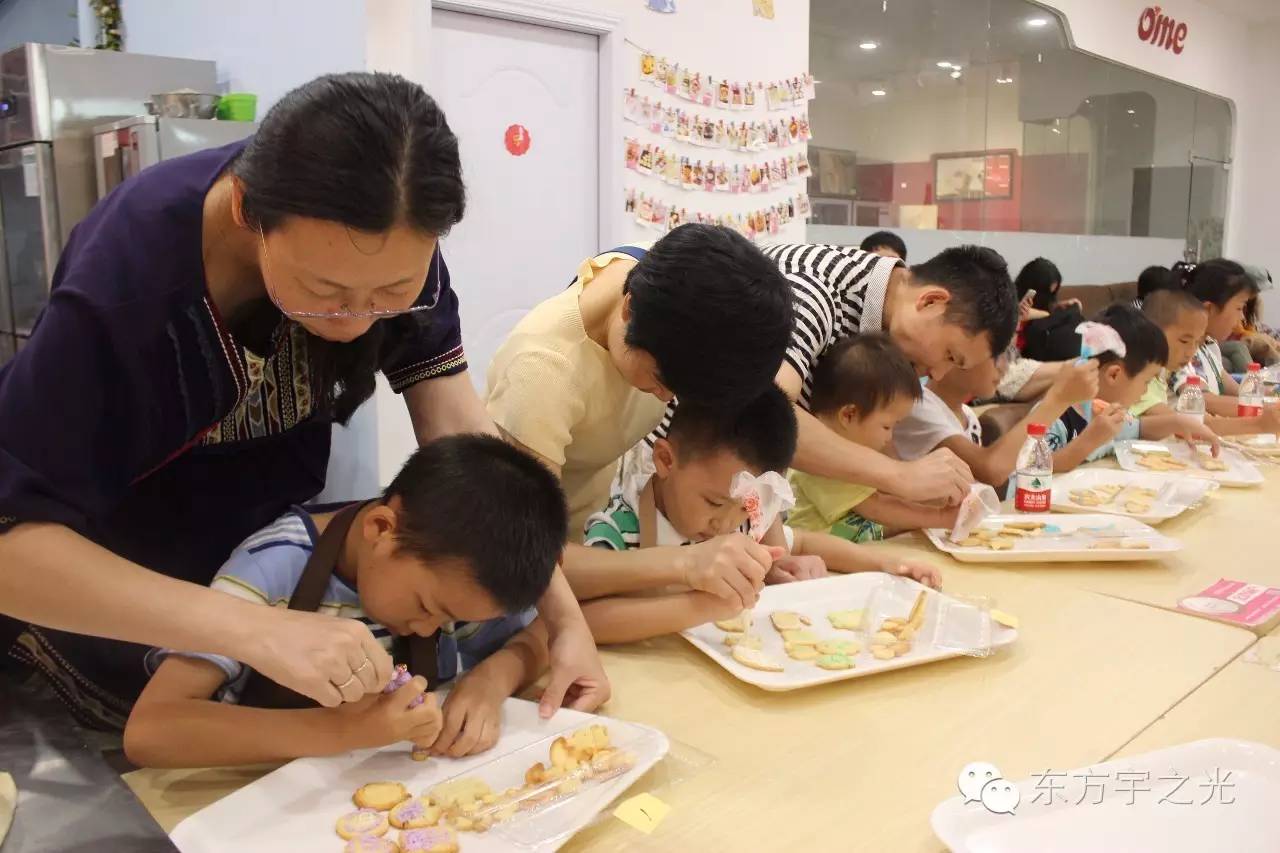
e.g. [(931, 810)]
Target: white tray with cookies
[(1230, 468), (1056, 539), (1149, 498), (1265, 444), (541, 783), (846, 626)]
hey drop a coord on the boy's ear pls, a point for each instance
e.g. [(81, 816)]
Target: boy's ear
[(848, 415), (237, 203), (381, 520), (626, 308), (664, 457), (1114, 372)]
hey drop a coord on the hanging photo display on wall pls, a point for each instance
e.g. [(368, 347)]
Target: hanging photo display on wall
[(691, 85), (711, 132), (661, 215), (691, 173)]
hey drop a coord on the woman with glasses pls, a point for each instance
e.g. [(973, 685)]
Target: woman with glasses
[(210, 320)]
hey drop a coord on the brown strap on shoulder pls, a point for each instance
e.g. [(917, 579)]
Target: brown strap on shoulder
[(647, 516), (308, 595)]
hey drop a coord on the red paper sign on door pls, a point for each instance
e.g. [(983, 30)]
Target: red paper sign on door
[(517, 139)]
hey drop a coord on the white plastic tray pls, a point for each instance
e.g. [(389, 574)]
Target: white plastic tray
[(295, 808), (1077, 821), (1240, 471), (1265, 444), (1057, 545), (1174, 495), (815, 599)]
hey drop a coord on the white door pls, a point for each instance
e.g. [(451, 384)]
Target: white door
[(532, 216)]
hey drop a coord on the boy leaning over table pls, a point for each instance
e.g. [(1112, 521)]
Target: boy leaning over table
[(447, 563)]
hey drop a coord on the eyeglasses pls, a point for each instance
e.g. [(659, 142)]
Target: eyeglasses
[(345, 312)]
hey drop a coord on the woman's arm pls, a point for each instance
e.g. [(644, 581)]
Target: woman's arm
[(85, 588), (446, 406), (175, 723), (620, 619), (841, 555), (1268, 421), (1221, 405)]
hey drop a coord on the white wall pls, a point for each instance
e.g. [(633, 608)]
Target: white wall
[(1257, 200), (724, 39), (266, 48), (50, 21)]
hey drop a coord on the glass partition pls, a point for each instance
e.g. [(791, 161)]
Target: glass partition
[(974, 121)]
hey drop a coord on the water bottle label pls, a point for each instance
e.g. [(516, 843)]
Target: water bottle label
[(1245, 410), (1032, 494)]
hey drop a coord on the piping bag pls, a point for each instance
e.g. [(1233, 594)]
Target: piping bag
[(764, 498), (1095, 339), (977, 506)]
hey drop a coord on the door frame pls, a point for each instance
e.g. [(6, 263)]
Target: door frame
[(609, 32)]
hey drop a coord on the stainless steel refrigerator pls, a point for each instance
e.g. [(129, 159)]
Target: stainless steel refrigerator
[(51, 98)]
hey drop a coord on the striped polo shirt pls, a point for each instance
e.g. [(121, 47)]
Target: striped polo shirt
[(838, 292)]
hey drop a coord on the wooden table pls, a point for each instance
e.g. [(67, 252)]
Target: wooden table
[(1241, 701), (860, 765), (1225, 537)]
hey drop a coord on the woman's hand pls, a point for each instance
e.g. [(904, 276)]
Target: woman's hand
[(386, 719), (577, 675), (328, 659)]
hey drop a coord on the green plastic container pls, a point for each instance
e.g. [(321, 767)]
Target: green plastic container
[(238, 106)]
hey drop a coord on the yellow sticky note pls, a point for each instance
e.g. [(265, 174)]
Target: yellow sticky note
[(643, 812), (1006, 619)]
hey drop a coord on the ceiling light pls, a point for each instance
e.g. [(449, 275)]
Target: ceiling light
[(1130, 112), (1037, 23), (879, 93), (955, 74), (868, 45), (1055, 130), (944, 64)]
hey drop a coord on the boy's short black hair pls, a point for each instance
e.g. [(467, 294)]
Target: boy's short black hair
[(867, 371), (1164, 307), (762, 434), (714, 313), (478, 500), (887, 239), (982, 297), (1157, 278), (1144, 341)]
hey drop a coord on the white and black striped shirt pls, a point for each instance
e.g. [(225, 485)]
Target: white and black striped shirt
[(837, 292)]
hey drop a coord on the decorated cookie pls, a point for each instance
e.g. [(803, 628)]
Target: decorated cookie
[(800, 637), (845, 620), (834, 662), (436, 839), (380, 796), (787, 620), (800, 651), (738, 624), (756, 659), (838, 647), (363, 822), (750, 641), (414, 813), (371, 844)]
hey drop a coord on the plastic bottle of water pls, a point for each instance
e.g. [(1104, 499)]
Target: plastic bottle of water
[(1034, 477), (1249, 403), (1191, 399)]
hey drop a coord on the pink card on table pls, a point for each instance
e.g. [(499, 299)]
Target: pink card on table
[(1246, 604)]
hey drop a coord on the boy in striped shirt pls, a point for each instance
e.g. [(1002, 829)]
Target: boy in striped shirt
[(463, 541)]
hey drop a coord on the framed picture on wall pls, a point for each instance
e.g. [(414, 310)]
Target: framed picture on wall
[(973, 175), (833, 172)]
